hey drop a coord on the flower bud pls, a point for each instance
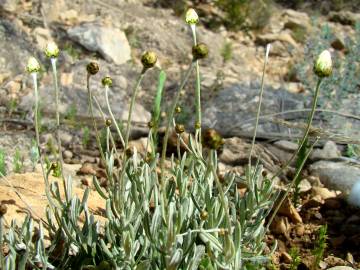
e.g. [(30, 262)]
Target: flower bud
[(52, 50), (212, 139), (200, 51), (323, 64), (151, 124), (92, 68), (107, 81), (179, 128), (178, 109), (197, 125), (204, 215), (33, 65), (148, 59), (191, 16), (108, 122)]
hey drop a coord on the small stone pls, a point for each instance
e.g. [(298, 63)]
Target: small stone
[(286, 145), (314, 202), (86, 168), (280, 225), (285, 257), (304, 186), (324, 193), (67, 154), (332, 203), (338, 44), (85, 182), (329, 151), (287, 209), (341, 268), (299, 230)]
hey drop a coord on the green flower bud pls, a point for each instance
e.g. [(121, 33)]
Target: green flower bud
[(148, 59), (191, 16), (200, 51), (92, 68), (323, 64), (197, 125), (179, 128), (151, 124), (204, 215), (52, 50), (212, 139), (33, 65), (107, 81)]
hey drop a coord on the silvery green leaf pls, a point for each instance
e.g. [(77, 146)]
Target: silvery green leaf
[(98, 188), (196, 258), (144, 265), (175, 260), (229, 248), (212, 240), (69, 187)]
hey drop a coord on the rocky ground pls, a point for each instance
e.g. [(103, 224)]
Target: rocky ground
[(115, 33)]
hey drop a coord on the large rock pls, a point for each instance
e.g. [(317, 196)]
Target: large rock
[(344, 17), (336, 175), (233, 110), (295, 20), (341, 268), (111, 43)]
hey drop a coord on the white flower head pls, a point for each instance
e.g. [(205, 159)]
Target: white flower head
[(33, 65), (323, 64), (52, 50), (191, 17)]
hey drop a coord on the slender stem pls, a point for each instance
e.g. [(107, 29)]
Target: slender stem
[(127, 135), (259, 104), (311, 116), (197, 93), (112, 115), (132, 103), (37, 134), (90, 98), (170, 120), (61, 160)]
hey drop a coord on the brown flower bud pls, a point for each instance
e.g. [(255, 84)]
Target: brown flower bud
[(92, 68), (151, 124), (129, 152), (212, 139), (148, 59), (200, 51), (179, 128)]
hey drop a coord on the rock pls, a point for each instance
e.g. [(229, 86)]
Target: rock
[(285, 257), (32, 189), (338, 43), (299, 230), (233, 109), (295, 20), (336, 175), (264, 39), (8, 5), (85, 169), (286, 145), (341, 268), (314, 202), (344, 17), (304, 186), (280, 225), (329, 151), (65, 137), (111, 43), (324, 193), (69, 16), (287, 209), (67, 154), (354, 196), (42, 37)]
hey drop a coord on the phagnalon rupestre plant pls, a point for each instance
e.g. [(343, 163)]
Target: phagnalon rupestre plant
[(159, 213)]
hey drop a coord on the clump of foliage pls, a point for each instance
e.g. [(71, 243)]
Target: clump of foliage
[(320, 245), (2, 163), (18, 161), (245, 14), (158, 215), (295, 258)]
